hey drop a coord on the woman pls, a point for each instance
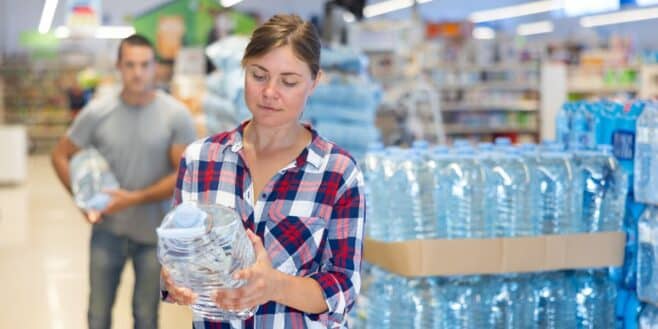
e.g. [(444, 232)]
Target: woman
[(300, 196)]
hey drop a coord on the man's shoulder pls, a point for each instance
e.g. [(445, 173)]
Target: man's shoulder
[(170, 102)]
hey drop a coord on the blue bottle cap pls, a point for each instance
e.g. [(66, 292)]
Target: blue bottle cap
[(187, 215), (420, 144), (503, 141)]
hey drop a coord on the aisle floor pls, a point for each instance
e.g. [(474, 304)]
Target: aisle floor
[(44, 248)]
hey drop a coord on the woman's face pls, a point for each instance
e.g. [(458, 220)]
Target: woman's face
[(277, 86)]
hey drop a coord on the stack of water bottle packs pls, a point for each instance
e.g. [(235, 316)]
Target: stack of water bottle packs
[(632, 129), (342, 108), (492, 191)]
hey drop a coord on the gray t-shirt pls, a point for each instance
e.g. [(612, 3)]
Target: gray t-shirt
[(136, 142)]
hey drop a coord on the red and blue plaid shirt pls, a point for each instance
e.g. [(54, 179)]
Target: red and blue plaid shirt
[(310, 217)]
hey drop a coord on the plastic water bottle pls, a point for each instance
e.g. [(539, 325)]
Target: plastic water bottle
[(202, 245), (376, 224), (563, 124), (552, 203), (389, 201), (649, 317), (425, 168), (593, 297), (506, 192), (459, 304), (647, 277), (380, 297), (412, 304), (646, 156), (506, 299), (583, 131), (411, 179), (604, 190), (459, 196), (551, 307), (90, 175)]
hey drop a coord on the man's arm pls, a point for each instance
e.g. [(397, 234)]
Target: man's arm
[(60, 158), (161, 190)]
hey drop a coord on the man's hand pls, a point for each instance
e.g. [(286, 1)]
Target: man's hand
[(93, 216), (121, 199), (263, 282)]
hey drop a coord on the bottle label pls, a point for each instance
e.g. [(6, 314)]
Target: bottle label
[(623, 144), (644, 233)]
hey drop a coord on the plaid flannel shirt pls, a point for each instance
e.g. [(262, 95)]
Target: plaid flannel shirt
[(310, 217)]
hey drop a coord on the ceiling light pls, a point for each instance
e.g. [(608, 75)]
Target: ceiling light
[(620, 17), (388, 6), (535, 28), (47, 15), (525, 9), (229, 3), (483, 33), (114, 32)]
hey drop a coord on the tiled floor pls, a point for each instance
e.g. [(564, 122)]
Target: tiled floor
[(43, 260)]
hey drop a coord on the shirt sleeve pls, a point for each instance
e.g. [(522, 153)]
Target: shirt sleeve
[(82, 130), (340, 272)]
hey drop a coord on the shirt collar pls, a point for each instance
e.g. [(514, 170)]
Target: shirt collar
[(314, 153)]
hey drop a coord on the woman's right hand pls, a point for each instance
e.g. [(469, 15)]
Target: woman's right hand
[(175, 294)]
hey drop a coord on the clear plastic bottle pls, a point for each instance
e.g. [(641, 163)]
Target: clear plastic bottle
[(376, 226), (202, 245), (90, 175), (507, 181), (647, 266), (551, 307), (646, 156)]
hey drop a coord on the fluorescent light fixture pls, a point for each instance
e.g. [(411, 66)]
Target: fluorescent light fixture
[(47, 15), (483, 33), (525, 9), (229, 3), (348, 17), (388, 6), (583, 7), (113, 32), (62, 32), (535, 28), (620, 17), (646, 2)]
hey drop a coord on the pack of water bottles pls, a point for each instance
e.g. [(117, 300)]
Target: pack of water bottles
[(492, 191), (342, 108), (91, 178), (565, 299)]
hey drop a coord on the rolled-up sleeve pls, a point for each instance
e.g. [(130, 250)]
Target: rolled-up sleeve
[(340, 272)]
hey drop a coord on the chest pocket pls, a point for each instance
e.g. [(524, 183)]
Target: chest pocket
[(294, 243)]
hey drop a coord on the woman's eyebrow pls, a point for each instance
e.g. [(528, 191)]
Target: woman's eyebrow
[(283, 73)]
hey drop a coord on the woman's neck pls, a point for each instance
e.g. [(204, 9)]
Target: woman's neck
[(272, 139), (138, 99)]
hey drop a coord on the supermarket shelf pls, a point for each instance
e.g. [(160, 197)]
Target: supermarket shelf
[(503, 85), (602, 89), (495, 67), (529, 106), (457, 129)]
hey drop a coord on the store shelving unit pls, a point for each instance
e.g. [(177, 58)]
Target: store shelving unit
[(36, 98), (483, 102)]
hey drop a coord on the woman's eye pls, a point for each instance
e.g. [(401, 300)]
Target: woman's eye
[(258, 77), (289, 83)]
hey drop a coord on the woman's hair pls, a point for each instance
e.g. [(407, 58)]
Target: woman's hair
[(281, 30)]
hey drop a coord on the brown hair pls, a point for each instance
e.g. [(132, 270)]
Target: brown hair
[(135, 40), (282, 30)]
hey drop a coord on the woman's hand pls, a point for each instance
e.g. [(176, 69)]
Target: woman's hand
[(264, 283), (178, 295)]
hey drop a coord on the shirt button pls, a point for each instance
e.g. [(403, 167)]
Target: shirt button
[(263, 195)]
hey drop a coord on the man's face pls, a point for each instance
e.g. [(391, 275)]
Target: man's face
[(137, 68)]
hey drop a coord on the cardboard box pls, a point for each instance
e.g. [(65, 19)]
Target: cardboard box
[(495, 256)]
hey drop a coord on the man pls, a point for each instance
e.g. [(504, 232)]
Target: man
[(142, 133)]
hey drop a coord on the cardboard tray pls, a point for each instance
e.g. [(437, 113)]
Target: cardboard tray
[(495, 256)]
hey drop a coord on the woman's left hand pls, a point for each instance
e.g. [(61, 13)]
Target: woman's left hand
[(263, 282)]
